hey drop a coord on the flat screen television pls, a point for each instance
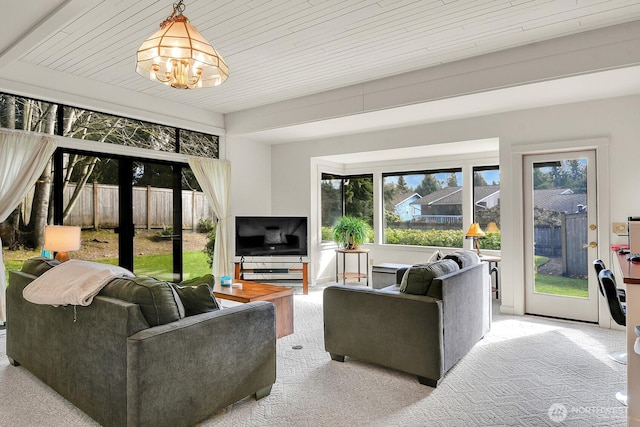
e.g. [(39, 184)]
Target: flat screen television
[(271, 235)]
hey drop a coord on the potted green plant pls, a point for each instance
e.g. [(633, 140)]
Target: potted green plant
[(351, 232)]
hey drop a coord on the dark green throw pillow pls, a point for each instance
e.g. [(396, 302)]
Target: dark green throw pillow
[(207, 278), (37, 266), (197, 295), (158, 301), (418, 278)]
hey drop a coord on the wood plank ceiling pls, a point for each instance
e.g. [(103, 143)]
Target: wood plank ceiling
[(283, 49)]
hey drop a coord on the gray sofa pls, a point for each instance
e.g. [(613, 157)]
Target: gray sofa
[(105, 359), (424, 335)]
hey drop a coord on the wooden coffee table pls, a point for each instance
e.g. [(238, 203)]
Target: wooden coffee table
[(280, 296)]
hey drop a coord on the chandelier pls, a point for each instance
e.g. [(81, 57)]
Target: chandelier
[(177, 55)]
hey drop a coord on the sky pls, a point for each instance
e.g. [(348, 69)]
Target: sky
[(414, 180)]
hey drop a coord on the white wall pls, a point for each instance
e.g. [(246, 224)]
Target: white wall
[(250, 177), (614, 121), (250, 188)]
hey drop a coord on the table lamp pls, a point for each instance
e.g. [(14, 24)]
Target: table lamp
[(492, 227), (475, 232), (61, 239)]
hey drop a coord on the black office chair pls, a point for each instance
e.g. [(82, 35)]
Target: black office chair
[(608, 286), (599, 266), (618, 356)]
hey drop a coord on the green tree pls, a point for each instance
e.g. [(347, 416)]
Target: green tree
[(452, 181), (478, 180), (331, 206), (389, 191), (402, 185), (428, 185), (570, 174), (558, 177), (358, 198), (541, 180), (576, 172)]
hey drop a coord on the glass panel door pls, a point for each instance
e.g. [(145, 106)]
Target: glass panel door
[(90, 200), (560, 237), (153, 213)]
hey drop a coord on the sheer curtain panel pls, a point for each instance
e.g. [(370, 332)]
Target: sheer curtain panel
[(23, 157), (214, 177)]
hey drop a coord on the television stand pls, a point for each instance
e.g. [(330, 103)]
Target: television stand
[(240, 270)]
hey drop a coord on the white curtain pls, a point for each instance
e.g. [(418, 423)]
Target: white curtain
[(23, 157), (214, 177)]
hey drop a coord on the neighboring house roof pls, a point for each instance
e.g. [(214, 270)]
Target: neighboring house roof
[(401, 198), (559, 200), (482, 192), (444, 196), (453, 195)]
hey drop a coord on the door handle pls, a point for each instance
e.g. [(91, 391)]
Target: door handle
[(590, 245)]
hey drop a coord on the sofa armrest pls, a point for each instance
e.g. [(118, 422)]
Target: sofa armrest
[(396, 330), (400, 274), (464, 309), (68, 348), (226, 355)]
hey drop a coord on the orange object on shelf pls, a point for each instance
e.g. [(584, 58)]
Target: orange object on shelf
[(618, 246)]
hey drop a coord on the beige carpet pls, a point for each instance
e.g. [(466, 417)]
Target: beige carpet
[(527, 372)]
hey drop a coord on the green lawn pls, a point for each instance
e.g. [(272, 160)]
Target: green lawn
[(157, 265), (558, 285), (15, 263), (160, 265)]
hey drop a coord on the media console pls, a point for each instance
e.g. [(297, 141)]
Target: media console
[(240, 270)]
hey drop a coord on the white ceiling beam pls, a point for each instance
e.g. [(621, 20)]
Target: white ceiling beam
[(588, 52), (44, 28)]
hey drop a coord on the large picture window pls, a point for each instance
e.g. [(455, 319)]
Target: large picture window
[(144, 214), (423, 208), (345, 195)]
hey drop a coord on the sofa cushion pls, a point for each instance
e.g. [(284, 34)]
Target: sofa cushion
[(37, 266), (418, 278), (158, 301), (196, 295), (464, 258)]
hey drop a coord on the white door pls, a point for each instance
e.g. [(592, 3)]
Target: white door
[(561, 235)]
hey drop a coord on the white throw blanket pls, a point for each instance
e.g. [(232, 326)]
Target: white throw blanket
[(73, 282)]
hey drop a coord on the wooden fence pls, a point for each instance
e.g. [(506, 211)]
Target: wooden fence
[(97, 207), (574, 256), (565, 241), (548, 240)]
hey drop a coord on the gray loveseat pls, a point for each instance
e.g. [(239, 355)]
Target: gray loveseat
[(106, 359), (424, 335)]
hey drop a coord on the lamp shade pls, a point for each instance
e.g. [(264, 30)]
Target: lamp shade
[(492, 227), (474, 231), (61, 238)]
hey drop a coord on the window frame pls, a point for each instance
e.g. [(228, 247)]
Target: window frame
[(345, 177), (441, 170), (474, 219)]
